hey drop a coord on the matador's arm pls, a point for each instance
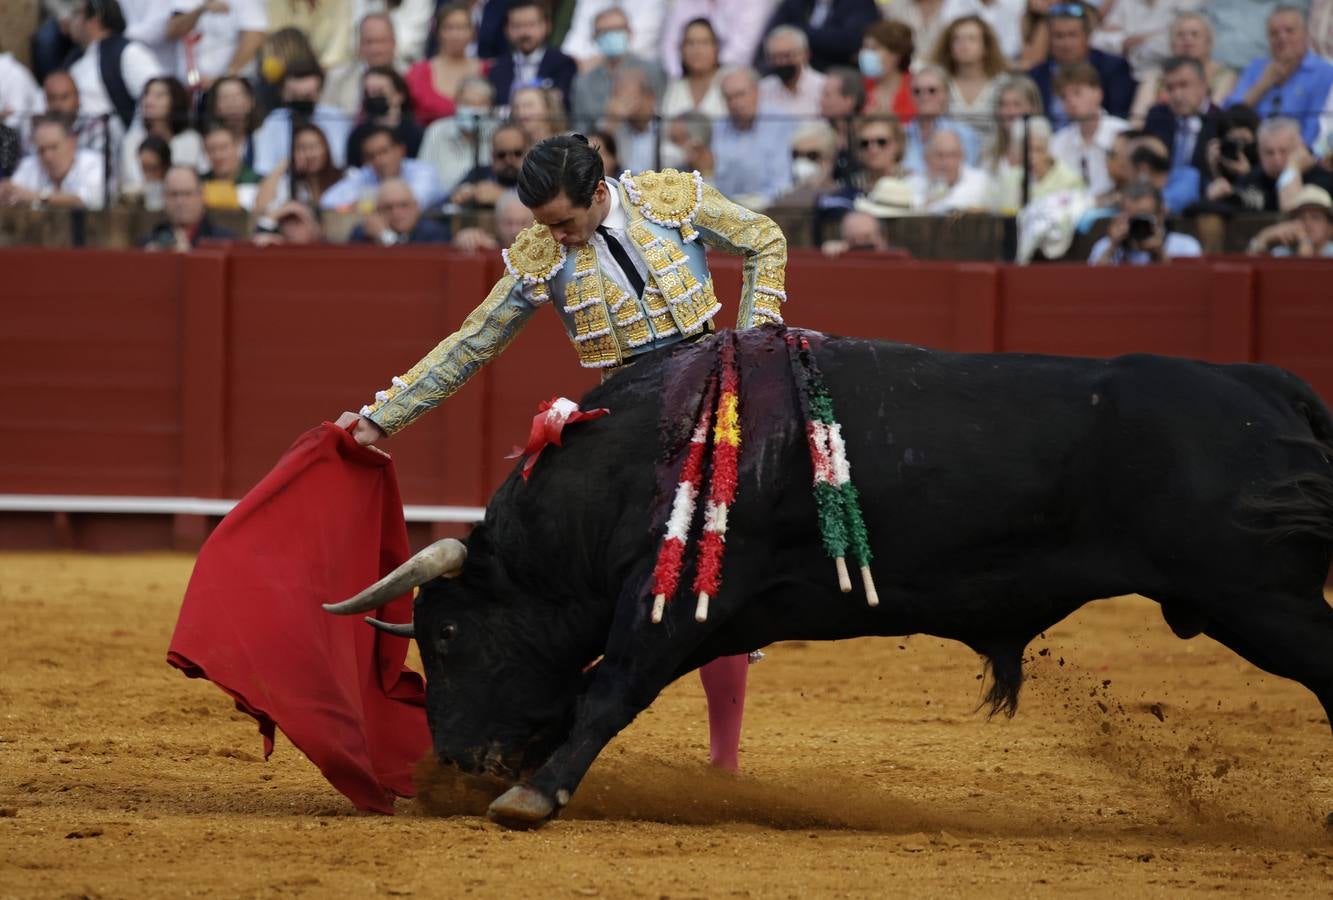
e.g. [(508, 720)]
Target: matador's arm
[(731, 227), (484, 333)]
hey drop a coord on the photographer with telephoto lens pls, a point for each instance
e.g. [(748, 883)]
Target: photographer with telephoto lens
[(1138, 235)]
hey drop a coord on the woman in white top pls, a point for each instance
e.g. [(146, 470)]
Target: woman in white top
[(969, 51), (698, 89), (164, 111)]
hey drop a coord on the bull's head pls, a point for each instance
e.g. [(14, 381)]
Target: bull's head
[(499, 694)]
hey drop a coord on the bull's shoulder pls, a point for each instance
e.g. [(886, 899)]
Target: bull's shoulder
[(535, 256)]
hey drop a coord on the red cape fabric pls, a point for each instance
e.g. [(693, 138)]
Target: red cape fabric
[(324, 524)]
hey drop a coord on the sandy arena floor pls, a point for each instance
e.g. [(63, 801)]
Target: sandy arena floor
[(1139, 764)]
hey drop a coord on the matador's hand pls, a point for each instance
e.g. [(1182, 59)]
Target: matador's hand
[(363, 430)]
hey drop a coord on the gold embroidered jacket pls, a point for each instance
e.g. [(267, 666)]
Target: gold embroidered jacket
[(670, 215)]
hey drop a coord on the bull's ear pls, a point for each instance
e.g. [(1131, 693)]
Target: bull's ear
[(441, 559), (407, 630)]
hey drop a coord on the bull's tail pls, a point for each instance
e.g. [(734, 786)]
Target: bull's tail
[(1301, 504)]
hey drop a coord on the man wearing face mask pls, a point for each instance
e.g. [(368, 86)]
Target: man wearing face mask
[(793, 89), (623, 264), (814, 150), (593, 86), (455, 144), (300, 92)]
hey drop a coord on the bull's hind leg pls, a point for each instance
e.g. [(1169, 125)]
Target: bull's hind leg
[(1286, 635), (724, 687)]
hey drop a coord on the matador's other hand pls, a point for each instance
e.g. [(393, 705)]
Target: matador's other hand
[(363, 430)]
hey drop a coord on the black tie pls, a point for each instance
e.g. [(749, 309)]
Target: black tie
[(622, 259)]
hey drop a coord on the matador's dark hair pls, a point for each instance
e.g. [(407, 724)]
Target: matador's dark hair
[(566, 164)]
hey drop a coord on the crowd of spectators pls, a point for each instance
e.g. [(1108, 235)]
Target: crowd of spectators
[(1148, 121)]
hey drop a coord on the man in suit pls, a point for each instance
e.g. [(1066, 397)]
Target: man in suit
[(1185, 123), (530, 61), (186, 222), (1070, 25)]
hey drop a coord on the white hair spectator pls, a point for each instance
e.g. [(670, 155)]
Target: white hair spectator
[(817, 131), (787, 31), (1273, 127)]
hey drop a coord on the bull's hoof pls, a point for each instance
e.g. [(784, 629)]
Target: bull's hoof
[(521, 807)]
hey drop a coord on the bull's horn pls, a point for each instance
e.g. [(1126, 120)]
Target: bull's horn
[(407, 630), (440, 558)]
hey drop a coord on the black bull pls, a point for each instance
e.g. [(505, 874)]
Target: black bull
[(1001, 493)]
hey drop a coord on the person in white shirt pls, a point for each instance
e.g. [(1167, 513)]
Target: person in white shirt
[(948, 185), (1083, 143), (410, 21), (455, 144), (99, 27), (1138, 235), (699, 87), (146, 22), (164, 110), (793, 90), (385, 159), (217, 38), (375, 46), (20, 97), (647, 15), (58, 174)]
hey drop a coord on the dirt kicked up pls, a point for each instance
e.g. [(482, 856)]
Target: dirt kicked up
[(1138, 764)]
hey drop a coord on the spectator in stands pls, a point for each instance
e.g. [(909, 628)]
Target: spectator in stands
[(1232, 155), (930, 90), (1278, 141), (1045, 174), (51, 44), (397, 220), (814, 153), (1292, 80), (283, 51), (1139, 30), (59, 174), (832, 28), (315, 171), (153, 159), (218, 38), (923, 17), (858, 232), (1307, 169), (880, 146), (1119, 167), (1016, 96), (594, 87), (229, 183), (1138, 234), (843, 95), (375, 47), (325, 25), (608, 150), (456, 144), (886, 60), (1188, 121), (698, 88), (1235, 26), (385, 102), (20, 95), (1082, 144), (231, 101), (301, 90), (530, 62), (969, 52), (630, 116), (146, 23), (690, 138), (582, 40), (948, 183), (1003, 17), (792, 89), (385, 159), (1191, 38), (485, 183), (511, 217), (292, 224), (738, 26), (62, 100), (539, 111), (748, 170), (186, 222), (1070, 25), (164, 112), (435, 83), (1307, 231)]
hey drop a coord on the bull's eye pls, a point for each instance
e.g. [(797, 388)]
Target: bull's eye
[(448, 631)]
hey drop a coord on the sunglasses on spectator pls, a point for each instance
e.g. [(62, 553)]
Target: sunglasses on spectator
[(508, 154), (1068, 10), (881, 142), (812, 155)]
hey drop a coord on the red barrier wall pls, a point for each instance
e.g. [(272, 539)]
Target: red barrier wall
[(167, 375)]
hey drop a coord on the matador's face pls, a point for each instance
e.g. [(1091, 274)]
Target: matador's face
[(570, 224)]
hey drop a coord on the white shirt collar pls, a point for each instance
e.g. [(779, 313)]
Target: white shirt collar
[(616, 218)]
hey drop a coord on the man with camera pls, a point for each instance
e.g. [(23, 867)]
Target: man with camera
[(1138, 234)]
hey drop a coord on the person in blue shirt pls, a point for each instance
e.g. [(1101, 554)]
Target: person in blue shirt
[(749, 149), (272, 141), (1292, 81), (385, 159)]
